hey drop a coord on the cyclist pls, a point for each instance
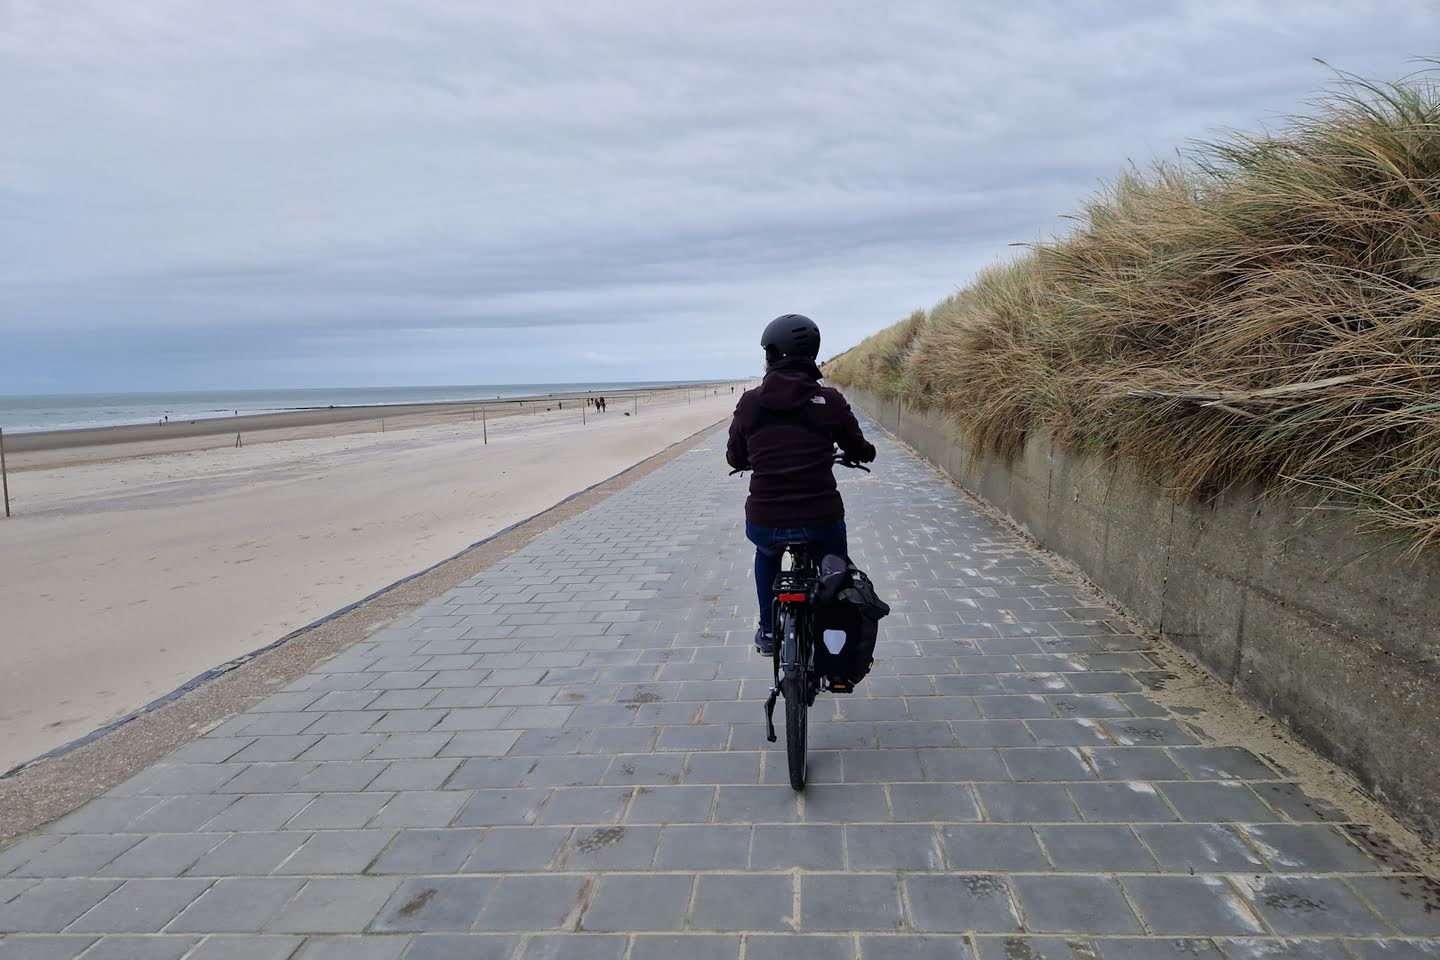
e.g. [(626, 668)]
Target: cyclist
[(786, 431)]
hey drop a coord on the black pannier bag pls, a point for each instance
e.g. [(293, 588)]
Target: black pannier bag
[(847, 621)]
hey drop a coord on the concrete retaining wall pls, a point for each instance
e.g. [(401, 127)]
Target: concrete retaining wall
[(1329, 630)]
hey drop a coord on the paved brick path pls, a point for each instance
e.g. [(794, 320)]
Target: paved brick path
[(564, 759)]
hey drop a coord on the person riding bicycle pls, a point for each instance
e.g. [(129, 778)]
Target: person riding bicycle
[(786, 431)]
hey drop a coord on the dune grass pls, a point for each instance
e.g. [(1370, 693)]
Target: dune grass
[(1266, 311)]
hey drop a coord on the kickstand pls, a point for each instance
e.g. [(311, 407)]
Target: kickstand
[(770, 714)]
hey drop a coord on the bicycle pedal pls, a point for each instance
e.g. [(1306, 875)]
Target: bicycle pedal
[(840, 686)]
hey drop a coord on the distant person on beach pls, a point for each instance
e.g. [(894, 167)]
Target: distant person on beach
[(786, 431), (600, 403)]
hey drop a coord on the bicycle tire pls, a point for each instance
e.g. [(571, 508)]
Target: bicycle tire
[(796, 721), (797, 708)]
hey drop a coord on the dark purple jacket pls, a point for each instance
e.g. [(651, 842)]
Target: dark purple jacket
[(786, 430)]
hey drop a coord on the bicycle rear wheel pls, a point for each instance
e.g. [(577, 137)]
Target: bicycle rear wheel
[(797, 706)]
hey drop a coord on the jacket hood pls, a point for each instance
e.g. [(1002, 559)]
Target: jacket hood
[(790, 383)]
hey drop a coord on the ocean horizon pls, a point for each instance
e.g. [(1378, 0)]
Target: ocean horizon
[(30, 413)]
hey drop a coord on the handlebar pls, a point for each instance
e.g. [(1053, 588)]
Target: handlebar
[(838, 460)]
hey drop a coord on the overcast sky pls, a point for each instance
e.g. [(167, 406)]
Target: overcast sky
[(235, 193)]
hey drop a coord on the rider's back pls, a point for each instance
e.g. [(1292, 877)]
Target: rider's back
[(786, 430)]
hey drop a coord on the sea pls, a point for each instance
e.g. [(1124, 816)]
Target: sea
[(29, 413)]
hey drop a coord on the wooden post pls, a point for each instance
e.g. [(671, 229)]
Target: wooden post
[(382, 424), (636, 398), (582, 413), (484, 427), (4, 477)]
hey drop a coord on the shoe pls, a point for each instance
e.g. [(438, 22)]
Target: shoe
[(765, 643)]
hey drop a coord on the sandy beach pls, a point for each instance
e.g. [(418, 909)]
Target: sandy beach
[(126, 571)]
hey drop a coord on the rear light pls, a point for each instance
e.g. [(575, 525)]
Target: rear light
[(791, 597)]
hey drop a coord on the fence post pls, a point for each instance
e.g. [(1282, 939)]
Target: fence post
[(4, 477), (636, 398), (484, 427)]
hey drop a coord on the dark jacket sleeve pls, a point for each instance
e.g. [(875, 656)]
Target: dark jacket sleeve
[(737, 450), (852, 439)]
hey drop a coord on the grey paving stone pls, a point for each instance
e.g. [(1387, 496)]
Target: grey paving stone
[(1147, 731), (166, 855), (333, 905), (1307, 906), (1395, 949), (933, 802), (992, 847), (337, 851), (1410, 904), (1082, 849), (139, 948), (1245, 948), (1217, 802), (447, 946), (881, 766), (668, 804), (266, 778), (703, 848), (490, 772), (1046, 763), (842, 803), (850, 902), (961, 902), (1074, 904), (566, 771), (1037, 948), (260, 812), (534, 903), (484, 743), (916, 948), (248, 854), (501, 807), (1129, 801), (581, 805), (338, 811), (757, 803), (426, 851), (52, 904), (722, 768), (611, 848), (1147, 947), (646, 769), (1200, 848), (140, 906), (410, 746), (449, 904), (43, 948), (799, 947), (690, 946), (236, 906), (1026, 802), (743, 902), (575, 947), (353, 948), (245, 947), (1191, 906), (504, 849), (893, 847), (807, 847), (1222, 763), (1292, 800), (420, 809), (630, 903), (1308, 848), (180, 814), (76, 856), (963, 764)]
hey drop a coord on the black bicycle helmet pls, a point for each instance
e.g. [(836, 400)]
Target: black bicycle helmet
[(791, 336)]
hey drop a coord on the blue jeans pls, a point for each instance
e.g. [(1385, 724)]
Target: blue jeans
[(826, 538)]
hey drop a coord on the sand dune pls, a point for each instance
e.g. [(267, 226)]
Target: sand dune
[(121, 579)]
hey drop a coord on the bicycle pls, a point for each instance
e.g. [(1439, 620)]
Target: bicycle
[(796, 678)]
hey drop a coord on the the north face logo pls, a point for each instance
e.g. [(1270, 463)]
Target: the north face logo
[(817, 399)]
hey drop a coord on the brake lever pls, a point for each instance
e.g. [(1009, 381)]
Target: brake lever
[(737, 470)]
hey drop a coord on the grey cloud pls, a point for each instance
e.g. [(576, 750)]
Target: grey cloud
[(251, 193)]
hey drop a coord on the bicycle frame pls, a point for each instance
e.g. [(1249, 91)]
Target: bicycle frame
[(794, 650)]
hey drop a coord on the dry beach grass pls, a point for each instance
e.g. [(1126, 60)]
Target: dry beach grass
[(1267, 311)]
